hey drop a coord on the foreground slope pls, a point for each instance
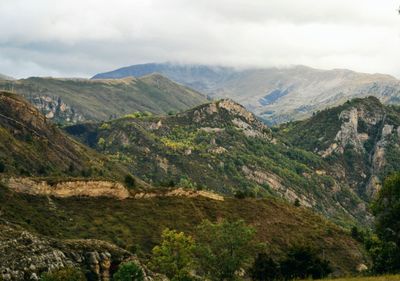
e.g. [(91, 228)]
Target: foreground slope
[(359, 139), (136, 223), (222, 147), (76, 100), (276, 94)]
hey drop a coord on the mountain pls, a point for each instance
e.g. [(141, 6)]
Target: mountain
[(63, 203), (31, 145), (359, 140), (77, 100), (222, 147), (275, 94)]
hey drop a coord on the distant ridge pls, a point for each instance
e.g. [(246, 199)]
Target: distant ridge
[(276, 94), (69, 101)]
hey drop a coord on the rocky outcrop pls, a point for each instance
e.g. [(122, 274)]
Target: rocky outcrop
[(25, 256), (88, 188), (55, 109)]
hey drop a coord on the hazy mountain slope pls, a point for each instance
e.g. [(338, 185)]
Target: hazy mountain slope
[(76, 100), (360, 140), (31, 145), (275, 94), (5, 77), (137, 223), (222, 147)]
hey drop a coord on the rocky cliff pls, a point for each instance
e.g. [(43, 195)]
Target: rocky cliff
[(360, 140), (25, 256)]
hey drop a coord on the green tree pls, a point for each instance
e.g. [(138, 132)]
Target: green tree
[(224, 248), (64, 274), (386, 208), (174, 256), (129, 271)]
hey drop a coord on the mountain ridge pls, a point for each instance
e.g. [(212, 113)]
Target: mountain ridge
[(276, 94)]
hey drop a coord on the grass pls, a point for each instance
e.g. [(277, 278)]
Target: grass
[(372, 278)]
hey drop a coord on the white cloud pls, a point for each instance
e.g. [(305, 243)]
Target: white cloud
[(83, 37)]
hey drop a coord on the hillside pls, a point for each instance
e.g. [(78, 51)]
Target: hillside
[(275, 94), (359, 140), (30, 145), (136, 223), (222, 147), (69, 101)]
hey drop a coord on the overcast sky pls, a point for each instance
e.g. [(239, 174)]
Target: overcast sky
[(84, 37)]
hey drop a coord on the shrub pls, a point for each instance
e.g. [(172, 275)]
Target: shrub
[(302, 262), (2, 167), (129, 271), (129, 181), (64, 274), (264, 268)]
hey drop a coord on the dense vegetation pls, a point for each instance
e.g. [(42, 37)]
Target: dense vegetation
[(220, 147)]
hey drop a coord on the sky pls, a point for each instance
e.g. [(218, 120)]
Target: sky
[(79, 38)]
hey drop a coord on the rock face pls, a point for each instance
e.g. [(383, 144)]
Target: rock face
[(69, 188), (359, 139), (25, 256)]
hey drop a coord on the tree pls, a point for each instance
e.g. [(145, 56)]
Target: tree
[(302, 262), (174, 256), (224, 248), (264, 268), (386, 208), (64, 274), (129, 271)]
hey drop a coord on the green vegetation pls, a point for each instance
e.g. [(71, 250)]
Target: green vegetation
[(128, 271), (174, 256), (224, 248), (32, 146), (385, 250), (64, 274), (207, 148)]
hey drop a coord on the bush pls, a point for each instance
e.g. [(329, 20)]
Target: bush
[(64, 274), (129, 271), (264, 268), (302, 262), (130, 181), (2, 167)]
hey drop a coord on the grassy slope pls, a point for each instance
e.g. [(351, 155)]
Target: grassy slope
[(30, 145), (133, 222), (161, 155), (100, 99)]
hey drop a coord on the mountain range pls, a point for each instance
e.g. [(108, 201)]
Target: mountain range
[(275, 94), (69, 101), (217, 160)]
